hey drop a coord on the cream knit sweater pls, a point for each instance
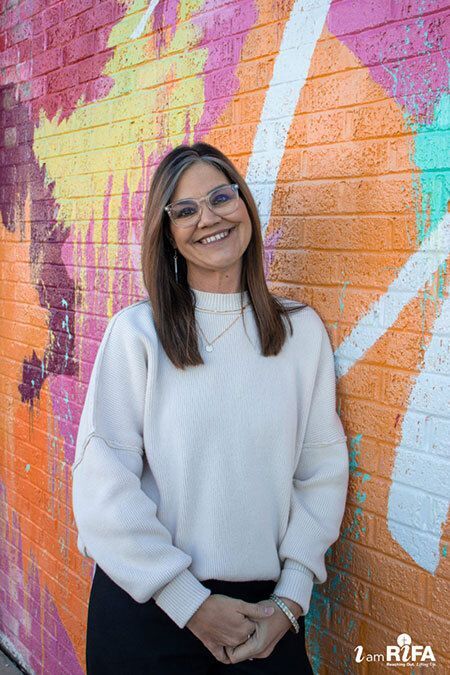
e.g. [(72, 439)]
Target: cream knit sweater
[(236, 469)]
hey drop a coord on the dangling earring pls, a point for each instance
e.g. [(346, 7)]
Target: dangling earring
[(175, 262)]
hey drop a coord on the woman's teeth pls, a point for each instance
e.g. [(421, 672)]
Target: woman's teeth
[(217, 237)]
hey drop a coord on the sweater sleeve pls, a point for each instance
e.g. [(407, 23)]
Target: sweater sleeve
[(116, 521), (319, 488)]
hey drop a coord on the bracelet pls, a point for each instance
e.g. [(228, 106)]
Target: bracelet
[(282, 605)]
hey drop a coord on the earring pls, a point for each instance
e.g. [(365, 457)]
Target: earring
[(175, 262)]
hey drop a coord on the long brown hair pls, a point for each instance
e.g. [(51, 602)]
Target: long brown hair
[(173, 303)]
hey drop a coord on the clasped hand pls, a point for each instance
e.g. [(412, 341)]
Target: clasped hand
[(223, 624)]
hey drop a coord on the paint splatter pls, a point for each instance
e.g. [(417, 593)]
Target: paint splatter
[(415, 83)]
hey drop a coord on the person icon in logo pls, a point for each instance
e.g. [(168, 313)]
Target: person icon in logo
[(404, 641)]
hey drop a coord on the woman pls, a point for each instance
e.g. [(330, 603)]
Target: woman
[(211, 466)]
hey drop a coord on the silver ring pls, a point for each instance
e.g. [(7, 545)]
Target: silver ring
[(249, 636)]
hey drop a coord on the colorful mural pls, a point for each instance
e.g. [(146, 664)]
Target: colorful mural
[(338, 113)]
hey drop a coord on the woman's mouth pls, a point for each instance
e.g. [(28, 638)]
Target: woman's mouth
[(216, 239)]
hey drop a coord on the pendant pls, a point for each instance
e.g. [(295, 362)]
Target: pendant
[(209, 348)]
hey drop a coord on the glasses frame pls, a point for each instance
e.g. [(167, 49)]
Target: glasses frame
[(199, 203)]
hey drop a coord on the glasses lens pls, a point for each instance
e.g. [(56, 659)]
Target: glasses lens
[(184, 213), (223, 200)]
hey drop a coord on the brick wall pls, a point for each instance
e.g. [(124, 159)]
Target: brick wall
[(337, 113)]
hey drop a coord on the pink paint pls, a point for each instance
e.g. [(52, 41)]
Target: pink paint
[(70, 54), (224, 32), (187, 128), (406, 53), (122, 271), (354, 16), (138, 204), (68, 393), (91, 319), (164, 23), (64, 394)]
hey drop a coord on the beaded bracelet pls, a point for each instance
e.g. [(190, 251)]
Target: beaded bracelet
[(282, 605)]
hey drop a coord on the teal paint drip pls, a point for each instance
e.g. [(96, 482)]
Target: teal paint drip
[(323, 607), (431, 156), (432, 191)]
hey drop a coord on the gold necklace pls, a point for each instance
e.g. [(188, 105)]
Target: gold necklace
[(221, 311), (209, 345)]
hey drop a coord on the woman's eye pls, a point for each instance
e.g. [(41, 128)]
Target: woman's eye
[(185, 212), (220, 198)]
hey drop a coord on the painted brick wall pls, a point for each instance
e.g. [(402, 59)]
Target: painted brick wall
[(338, 114)]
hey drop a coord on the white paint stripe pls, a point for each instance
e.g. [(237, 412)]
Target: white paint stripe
[(416, 272), (143, 22), (410, 509), (302, 30)]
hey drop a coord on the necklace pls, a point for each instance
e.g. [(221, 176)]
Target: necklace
[(221, 311), (209, 344)]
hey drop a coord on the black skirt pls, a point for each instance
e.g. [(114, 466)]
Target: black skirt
[(128, 637)]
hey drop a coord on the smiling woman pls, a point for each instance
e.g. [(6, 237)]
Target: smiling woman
[(211, 466), (197, 193), (215, 265)]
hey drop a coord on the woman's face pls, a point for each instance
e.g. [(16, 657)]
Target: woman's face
[(217, 264)]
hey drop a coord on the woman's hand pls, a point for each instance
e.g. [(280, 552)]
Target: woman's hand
[(222, 622), (267, 634)]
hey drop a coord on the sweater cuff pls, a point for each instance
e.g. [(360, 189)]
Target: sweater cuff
[(182, 597), (296, 583)]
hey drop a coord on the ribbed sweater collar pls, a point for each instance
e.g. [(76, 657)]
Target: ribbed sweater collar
[(220, 301)]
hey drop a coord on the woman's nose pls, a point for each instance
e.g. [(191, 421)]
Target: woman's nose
[(207, 217)]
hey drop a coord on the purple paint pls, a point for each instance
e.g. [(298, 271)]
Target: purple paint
[(33, 376), (21, 175), (270, 244), (405, 49), (28, 611), (51, 39), (13, 174), (59, 655), (30, 629), (56, 294)]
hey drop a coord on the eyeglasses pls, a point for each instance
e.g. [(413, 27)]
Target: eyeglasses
[(222, 201)]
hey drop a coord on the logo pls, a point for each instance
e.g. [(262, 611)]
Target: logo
[(404, 654)]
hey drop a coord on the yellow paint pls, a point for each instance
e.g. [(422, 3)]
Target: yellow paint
[(102, 138)]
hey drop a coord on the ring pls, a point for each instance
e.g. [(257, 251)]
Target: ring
[(249, 636)]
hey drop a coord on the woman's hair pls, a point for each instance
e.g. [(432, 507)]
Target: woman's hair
[(173, 303)]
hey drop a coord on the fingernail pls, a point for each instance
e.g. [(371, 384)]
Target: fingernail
[(268, 610)]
